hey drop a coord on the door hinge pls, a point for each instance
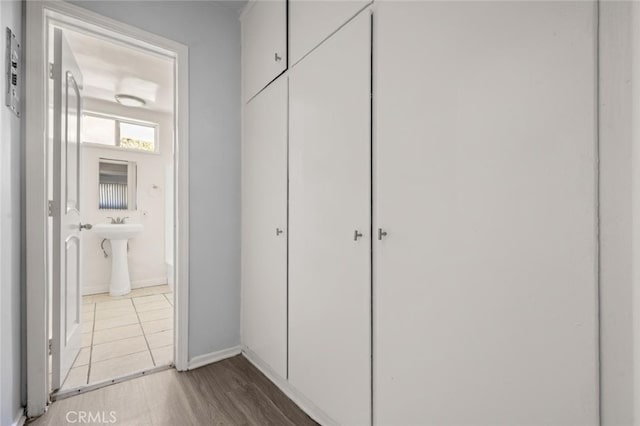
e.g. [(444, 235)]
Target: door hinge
[(50, 346), (51, 208), (51, 70)]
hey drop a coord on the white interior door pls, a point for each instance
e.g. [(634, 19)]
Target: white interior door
[(330, 221), (67, 296), (485, 284), (264, 226)]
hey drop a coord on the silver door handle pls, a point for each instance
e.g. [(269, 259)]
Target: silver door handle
[(381, 234), (86, 226), (279, 231), (356, 235)]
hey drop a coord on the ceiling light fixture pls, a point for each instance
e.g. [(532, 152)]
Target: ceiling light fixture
[(130, 100)]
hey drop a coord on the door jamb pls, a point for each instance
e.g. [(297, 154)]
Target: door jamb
[(38, 15)]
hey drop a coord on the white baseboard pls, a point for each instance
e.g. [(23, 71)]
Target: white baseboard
[(289, 390), (104, 288), (169, 268), (20, 418), (202, 360)]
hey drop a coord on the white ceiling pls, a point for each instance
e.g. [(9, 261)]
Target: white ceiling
[(109, 68)]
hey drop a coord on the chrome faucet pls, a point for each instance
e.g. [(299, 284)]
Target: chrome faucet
[(118, 220)]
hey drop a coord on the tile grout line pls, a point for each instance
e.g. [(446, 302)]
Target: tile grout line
[(121, 356), (165, 296), (93, 329), (139, 323), (92, 337), (144, 334), (159, 309)]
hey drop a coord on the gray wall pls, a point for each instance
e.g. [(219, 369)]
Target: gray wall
[(10, 246), (212, 33), (616, 320)]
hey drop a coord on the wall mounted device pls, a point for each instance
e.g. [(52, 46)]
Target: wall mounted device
[(14, 83)]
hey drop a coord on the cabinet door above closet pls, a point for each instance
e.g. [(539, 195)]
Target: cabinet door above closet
[(312, 21), (264, 44)]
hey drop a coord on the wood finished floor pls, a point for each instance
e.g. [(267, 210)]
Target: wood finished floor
[(229, 392)]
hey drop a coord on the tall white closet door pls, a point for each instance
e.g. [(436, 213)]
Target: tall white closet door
[(329, 256), (484, 181), (264, 227)]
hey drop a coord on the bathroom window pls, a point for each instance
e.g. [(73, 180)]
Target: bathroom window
[(137, 136), (120, 133), (100, 130)]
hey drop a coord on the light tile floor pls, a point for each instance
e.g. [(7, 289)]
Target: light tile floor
[(123, 335)]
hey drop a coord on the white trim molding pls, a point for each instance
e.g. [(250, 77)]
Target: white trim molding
[(39, 15), (104, 287), (211, 357), (289, 390), (20, 419), (36, 211), (181, 209), (635, 206)]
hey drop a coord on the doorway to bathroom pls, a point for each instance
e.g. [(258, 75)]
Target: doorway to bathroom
[(123, 154), (116, 147), (115, 293)]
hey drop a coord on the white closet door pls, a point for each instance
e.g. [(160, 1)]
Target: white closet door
[(485, 284), (264, 227), (329, 264)]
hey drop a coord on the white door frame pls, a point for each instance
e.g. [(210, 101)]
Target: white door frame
[(39, 14)]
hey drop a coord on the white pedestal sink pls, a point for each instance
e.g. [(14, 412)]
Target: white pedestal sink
[(118, 234)]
